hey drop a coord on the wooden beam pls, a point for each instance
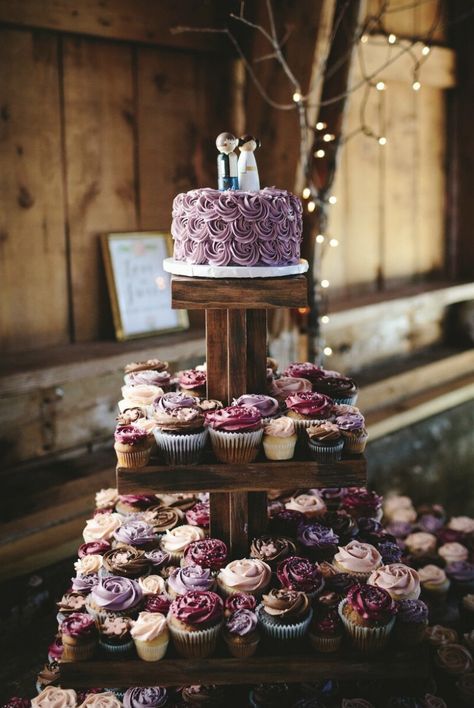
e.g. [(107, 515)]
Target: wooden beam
[(127, 20)]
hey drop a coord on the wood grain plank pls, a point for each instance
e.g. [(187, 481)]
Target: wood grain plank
[(236, 293), (239, 517), (99, 119), (257, 514), (220, 517), (129, 20), (216, 355), (394, 665), (34, 307), (257, 476), (256, 351), (236, 352)]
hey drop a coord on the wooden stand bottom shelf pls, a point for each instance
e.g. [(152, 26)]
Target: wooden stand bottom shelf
[(407, 665)]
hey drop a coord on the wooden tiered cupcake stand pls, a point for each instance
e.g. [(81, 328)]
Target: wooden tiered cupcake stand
[(236, 342)]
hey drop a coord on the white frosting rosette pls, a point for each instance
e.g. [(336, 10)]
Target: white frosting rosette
[(140, 396), (248, 575), (152, 584), (400, 581), (106, 498), (461, 523), (452, 552), (151, 635), (54, 697), (421, 543), (101, 527), (101, 700), (357, 558), (310, 505), (89, 564), (175, 541)]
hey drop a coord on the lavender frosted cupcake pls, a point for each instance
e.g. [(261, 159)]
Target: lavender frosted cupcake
[(132, 446), (240, 633), (136, 533), (353, 431), (267, 406), (325, 442), (149, 377), (191, 577), (461, 574), (411, 622), (368, 615), (319, 542), (151, 697), (236, 433), (114, 597)]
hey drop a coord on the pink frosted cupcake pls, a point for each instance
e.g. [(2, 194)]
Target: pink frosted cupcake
[(304, 370), (307, 409), (151, 636), (194, 620), (132, 446), (249, 575), (357, 559), (311, 505), (288, 385), (236, 433), (400, 581), (193, 382)]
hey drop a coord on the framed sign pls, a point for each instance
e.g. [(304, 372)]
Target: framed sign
[(139, 288)]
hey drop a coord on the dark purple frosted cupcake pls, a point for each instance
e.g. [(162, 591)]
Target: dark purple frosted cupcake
[(326, 632), (332, 497), (301, 574), (342, 524), (286, 522), (240, 633), (319, 542), (360, 502), (411, 622), (461, 574), (390, 552), (209, 553)]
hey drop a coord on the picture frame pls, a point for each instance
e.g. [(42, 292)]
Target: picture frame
[(139, 288)]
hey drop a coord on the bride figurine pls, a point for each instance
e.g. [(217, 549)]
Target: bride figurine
[(248, 171)]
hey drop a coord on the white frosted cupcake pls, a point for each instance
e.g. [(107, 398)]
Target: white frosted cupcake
[(358, 559), (101, 527), (175, 541), (400, 581), (248, 575), (151, 636), (236, 433), (311, 505), (279, 439), (140, 396)]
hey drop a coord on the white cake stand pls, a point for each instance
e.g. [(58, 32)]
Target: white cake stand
[(210, 271)]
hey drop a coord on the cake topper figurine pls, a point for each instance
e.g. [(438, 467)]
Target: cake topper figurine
[(227, 175), (248, 171)]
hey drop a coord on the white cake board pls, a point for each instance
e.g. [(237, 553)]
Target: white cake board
[(210, 271)]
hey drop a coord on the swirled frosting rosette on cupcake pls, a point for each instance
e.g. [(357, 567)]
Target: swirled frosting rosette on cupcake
[(114, 596), (266, 405), (239, 601), (272, 549), (151, 636), (125, 561), (194, 620), (150, 697), (311, 505), (288, 385), (368, 614), (284, 615), (357, 559), (175, 541), (209, 553), (279, 439), (319, 542), (240, 633), (304, 370), (400, 581), (132, 446), (55, 696), (236, 433), (353, 430), (248, 575), (296, 573), (79, 637), (137, 533), (306, 409), (140, 396), (360, 502), (193, 382), (191, 577)]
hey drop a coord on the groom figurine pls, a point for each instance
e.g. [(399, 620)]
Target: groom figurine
[(227, 176)]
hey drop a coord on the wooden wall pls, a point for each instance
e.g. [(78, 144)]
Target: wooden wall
[(96, 135)]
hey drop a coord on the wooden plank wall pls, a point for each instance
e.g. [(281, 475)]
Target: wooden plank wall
[(391, 199), (95, 136)]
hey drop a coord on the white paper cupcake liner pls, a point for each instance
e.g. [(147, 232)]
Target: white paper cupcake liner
[(152, 651), (283, 632), (195, 645), (180, 449), (366, 639), (235, 448), (325, 453), (284, 449)]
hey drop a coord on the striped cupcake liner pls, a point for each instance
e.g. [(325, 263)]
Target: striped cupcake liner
[(195, 644), (354, 443), (153, 650), (134, 458), (180, 449), (325, 453), (345, 400), (236, 448), (283, 632), (326, 645), (116, 649), (284, 449), (366, 639)]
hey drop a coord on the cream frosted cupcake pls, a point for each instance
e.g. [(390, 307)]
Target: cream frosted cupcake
[(132, 446), (395, 503), (248, 575), (368, 615), (152, 584), (279, 439), (311, 505), (101, 527), (180, 435), (357, 559), (307, 409), (151, 636), (140, 396), (287, 385), (194, 620), (175, 541), (105, 699), (325, 442), (400, 581), (434, 585), (453, 552), (421, 544), (55, 696), (236, 433)]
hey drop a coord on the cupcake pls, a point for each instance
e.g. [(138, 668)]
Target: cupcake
[(150, 635), (203, 696), (248, 575), (140, 396), (400, 581), (287, 385), (93, 548), (332, 497), (279, 439), (461, 574), (368, 615), (390, 552), (209, 553), (357, 559), (465, 690), (180, 435), (319, 542), (352, 427), (307, 409), (284, 615), (69, 603), (304, 370), (236, 433), (152, 584), (173, 401), (133, 446), (114, 596), (240, 633), (239, 601), (79, 637), (301, 574), (194, 621), (272, 549), (360, 502), (266, 405), (175, 541), (136, 533), (464, 524), (54, 696), (434, 586), (151, 697), (371, 530), (453, 552), (114, 636), (411, 622), (149, 377), (325, 442), (311, 505), (125, 561), (157, 603), (133, 503), (157, 559), (340, 389), (101, 527), (453, 659), (191, 577), (325, 632), (148, 365), (341, 523), (436, 635), (338, 583), (193, 382), (83, 584), (164, 518), (199, 515), (105, 499), (395, 503), (421, 544)]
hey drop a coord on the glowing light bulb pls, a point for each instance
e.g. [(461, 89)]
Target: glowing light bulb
[(392, 38), (380, 86), (364, 39), (320, 153), (324, 319), (426, 50), (306, 193), (327, 137), (320, 125), (382, 140), (324, 283), (311, 207), (332, 199), (297, 97), (320, 238), (416, 86), (327, 351), (334, 242)]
